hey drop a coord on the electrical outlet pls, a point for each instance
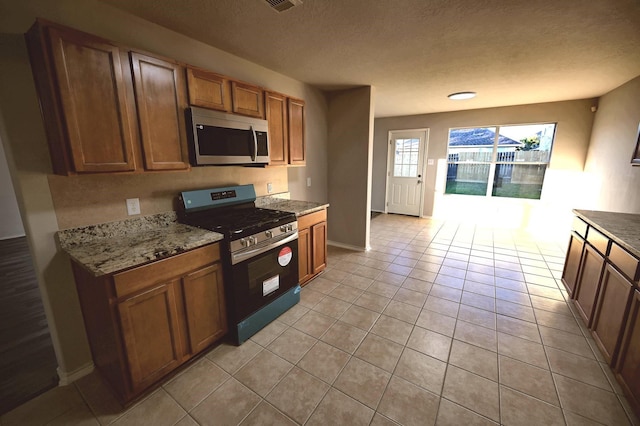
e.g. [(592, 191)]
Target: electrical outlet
[(308, 181), (133, 206), (269, 188)]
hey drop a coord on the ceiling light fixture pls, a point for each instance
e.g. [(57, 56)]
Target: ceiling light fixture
[(462, 95)]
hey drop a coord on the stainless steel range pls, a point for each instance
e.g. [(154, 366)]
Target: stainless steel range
[(260, 254)]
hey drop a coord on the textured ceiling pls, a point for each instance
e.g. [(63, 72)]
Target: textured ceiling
[(415, 52)]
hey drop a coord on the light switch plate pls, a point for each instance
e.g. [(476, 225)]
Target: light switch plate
[(269, 188), (430, 162), (133, 206), (308, 181)]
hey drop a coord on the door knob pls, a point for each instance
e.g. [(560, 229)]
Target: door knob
[(419, 181)]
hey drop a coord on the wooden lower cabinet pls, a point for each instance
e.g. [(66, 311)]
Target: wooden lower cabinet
[(145, 322), (611, 312), (204, 304), (149, 327), (628, 363), (572, 263), (312, 245), (589, 283), (304, 255)]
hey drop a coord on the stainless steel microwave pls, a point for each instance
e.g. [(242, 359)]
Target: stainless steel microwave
[(216, 138)]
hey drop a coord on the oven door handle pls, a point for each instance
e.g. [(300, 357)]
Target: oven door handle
[(244, 255)]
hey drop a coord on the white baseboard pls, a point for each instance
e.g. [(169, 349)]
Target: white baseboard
[(347, 246), (66, 378), (378, 211)]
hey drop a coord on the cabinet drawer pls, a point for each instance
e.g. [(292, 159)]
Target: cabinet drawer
[(134, 280), (625, 262), (598, 240), (579, 226), (312, 218)]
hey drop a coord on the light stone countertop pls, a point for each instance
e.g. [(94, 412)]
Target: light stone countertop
[(300, 208), (112, 247), (623, 228)]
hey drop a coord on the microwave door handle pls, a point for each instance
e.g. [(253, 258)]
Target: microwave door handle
[(255, 144)]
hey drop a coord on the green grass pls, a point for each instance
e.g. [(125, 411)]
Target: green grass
[(516, 190), (466, 188), (511, 190)]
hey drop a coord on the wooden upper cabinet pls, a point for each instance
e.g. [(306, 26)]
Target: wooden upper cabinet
[(247, 99), (83, 94), (276, 110), (209, 90), (160, 91), (297, 149)]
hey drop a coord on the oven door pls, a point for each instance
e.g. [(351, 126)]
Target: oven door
[(265, 273)]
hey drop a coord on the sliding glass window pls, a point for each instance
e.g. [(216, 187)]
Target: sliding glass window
[(499, 161)]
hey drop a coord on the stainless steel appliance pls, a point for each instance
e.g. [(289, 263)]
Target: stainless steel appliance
[(260, 254), (216, 138)]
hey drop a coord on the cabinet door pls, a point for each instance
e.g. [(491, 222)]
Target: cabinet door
[(611, 311), (304, 255), (89, 77), (247, 99), (319, 243), (628, 363), (589, 282), (161, 99), (208, 90), (150, 332), (572, 263), (276, 109), (297, 150), (205, 306)]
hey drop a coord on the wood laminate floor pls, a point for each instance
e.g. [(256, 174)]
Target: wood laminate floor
[(27, 361)]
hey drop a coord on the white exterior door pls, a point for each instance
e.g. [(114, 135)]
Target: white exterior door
[(405, 172)]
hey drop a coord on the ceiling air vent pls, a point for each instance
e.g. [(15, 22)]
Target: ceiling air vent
[(282, 5)]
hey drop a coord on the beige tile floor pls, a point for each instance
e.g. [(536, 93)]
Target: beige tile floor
[(440, 323)]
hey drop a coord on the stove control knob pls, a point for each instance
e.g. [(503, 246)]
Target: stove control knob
[(244, 242), (252, 240), (269, 234), (289, 227), (283, 228)]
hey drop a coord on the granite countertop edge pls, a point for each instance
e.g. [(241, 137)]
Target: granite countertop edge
[(114, 247), (622, 228), (300, 208)]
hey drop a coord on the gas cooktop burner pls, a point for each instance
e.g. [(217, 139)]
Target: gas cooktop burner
[(230, 211), (240, 220)]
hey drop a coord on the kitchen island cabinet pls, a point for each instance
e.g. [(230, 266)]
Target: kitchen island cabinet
[(145, 322), (628, 366), (606, 291)]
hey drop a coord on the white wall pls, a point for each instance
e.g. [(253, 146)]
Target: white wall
[(10, 221), (615, 183)]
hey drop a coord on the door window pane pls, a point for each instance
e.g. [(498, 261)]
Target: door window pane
[(406, 158)]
